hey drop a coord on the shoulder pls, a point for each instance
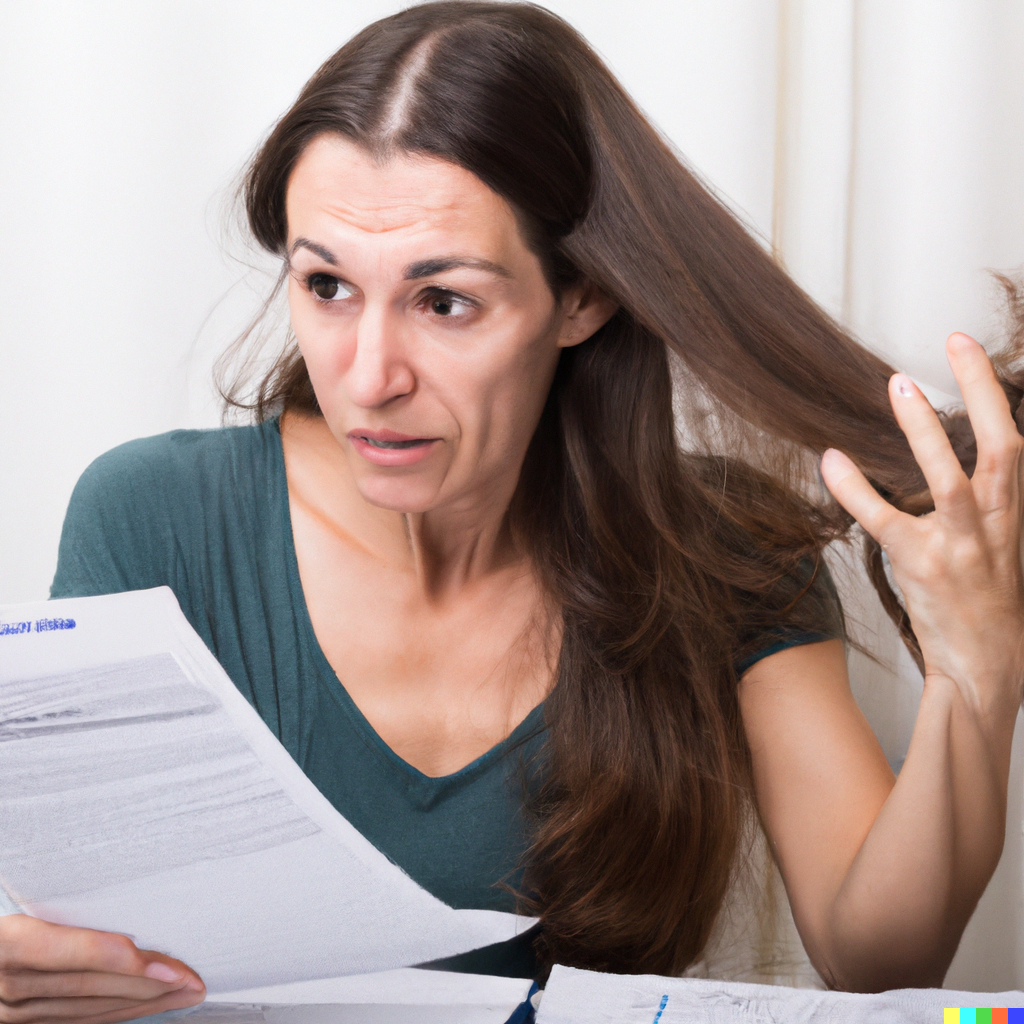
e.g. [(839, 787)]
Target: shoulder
[(142, 513), (802, 608), (769, 539), (174, 464)]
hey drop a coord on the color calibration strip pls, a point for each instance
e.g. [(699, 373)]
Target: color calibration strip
[(983, 1015)]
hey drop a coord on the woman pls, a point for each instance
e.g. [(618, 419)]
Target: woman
[(470, 554)]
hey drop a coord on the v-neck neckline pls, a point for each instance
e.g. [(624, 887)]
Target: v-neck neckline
[(531, 724)]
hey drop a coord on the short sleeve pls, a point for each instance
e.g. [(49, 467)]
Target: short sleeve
[(816, 616), (109, 542)]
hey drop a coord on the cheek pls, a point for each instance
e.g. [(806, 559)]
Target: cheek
[(324, 345), (501, 399)]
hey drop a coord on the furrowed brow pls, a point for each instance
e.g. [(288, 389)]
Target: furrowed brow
[(428, 268), (314, 247)]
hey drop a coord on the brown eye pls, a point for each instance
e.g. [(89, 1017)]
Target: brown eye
[(327, 287), (446, 305)]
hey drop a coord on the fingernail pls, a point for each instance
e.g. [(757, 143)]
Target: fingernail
[(904, 385), (162, 972), (195, 985), (962, 341)]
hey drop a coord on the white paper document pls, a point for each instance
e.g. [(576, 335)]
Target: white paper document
[(573, 996), (402, 996), (141, 793)]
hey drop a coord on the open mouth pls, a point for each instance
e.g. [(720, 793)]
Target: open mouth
[(416, 442)]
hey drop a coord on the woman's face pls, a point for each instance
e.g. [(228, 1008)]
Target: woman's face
[(427, 326)]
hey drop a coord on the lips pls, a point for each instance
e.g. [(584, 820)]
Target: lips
[(395, 444), (388, 439), (388, 448)]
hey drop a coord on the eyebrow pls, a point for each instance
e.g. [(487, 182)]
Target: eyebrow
[(414, 271), (314, 247), (428, 268)]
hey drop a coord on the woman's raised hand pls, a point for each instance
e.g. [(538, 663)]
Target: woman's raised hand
[(959, 567), (51, 972)]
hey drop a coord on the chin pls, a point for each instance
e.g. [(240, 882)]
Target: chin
[(398, 495)]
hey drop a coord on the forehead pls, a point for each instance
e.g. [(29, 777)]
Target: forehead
[(339, 187)]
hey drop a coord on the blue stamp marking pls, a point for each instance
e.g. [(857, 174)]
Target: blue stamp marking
[(661, 1009), (39, 626), (46, 625)]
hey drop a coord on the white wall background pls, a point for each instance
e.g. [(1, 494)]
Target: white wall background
[(878, 144)]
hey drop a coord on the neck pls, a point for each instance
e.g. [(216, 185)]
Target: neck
[(451, 549), (446, 550)]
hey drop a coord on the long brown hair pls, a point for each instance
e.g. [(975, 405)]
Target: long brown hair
[(668, 562)]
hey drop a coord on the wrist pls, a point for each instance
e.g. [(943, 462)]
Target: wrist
[(979, 727), (991, 700)]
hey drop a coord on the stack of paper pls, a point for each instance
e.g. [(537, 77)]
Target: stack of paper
[(398, 996), (573, 996)]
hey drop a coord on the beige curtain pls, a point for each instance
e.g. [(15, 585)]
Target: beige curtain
[(898, 186)]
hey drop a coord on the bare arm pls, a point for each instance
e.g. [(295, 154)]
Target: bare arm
[(884, 874)]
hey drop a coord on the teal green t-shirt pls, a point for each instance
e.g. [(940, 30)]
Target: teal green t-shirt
[(206, 513)]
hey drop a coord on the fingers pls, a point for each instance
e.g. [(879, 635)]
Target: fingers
[(983, 395), (851, 489), (19, 985), (94, 1010), (26, 943), (56, 972), (949, 485), (999, 443), (993, 486)]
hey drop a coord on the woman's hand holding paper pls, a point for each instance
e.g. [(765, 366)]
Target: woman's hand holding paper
[(52, 972)]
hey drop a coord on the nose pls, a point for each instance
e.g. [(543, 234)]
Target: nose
[(379, 370)]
